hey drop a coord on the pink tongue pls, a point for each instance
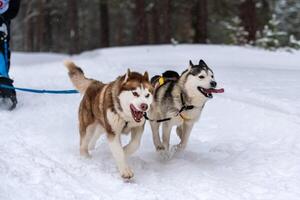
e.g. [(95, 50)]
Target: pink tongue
[(221, 90), (139, 115)]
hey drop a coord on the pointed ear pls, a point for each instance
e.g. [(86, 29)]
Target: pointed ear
[(146, 75), (190, 66), (202, 63), (127, 76)]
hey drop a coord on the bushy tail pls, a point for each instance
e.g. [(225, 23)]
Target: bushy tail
[(80, 82)]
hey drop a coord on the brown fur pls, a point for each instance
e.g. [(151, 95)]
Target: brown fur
[(135, 80), (99, 98), (93, 108), (77, 77)]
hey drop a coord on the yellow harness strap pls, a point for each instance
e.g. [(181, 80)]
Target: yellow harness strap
[(184, 117), (161, 80)]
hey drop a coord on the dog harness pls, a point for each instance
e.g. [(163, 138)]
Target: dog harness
[(182, 109)]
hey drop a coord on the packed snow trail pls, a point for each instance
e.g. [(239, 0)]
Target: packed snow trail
[(245, 146)]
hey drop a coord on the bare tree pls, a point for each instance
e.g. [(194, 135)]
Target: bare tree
[(165, 25), (29, 38), (200, 17), (141, 28), (73, 26), (104, 23), (47, 26), (248, 16), (40, 26), (154, 14)]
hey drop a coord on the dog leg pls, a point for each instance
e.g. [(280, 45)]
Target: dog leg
[(136, 136), (94, 139), (179, 131), (98, 132), (116, 148), (166, 134), (186, 132), (85, 140), (156, 138)]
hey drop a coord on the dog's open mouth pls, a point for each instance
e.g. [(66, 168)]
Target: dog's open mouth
[(208, 92), (136, 114)]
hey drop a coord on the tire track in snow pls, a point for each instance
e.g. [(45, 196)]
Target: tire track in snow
[(262, 102)]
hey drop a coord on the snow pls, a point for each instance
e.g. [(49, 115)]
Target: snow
[(245, 146)]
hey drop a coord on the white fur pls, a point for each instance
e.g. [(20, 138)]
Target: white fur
[(193, 82), (133, 145), (119, 155), (98, 132), (186, 120), (85, 141), (192, 91), (117, 123), (143, 92), (127, 98)]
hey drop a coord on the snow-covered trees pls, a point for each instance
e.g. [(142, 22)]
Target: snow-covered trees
[(288, 12), (271, 37), (293, 42), (237, 33), (73, 26)]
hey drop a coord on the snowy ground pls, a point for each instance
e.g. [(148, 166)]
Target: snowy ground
[(246, 145)]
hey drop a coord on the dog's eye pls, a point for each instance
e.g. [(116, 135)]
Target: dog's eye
[(201, 77), (212, 76), (147, 96), (135, 94)]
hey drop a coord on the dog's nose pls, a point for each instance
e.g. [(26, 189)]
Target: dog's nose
[(144, 107), (213, 84)]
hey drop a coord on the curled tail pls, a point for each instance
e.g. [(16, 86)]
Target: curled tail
[(80, 82)]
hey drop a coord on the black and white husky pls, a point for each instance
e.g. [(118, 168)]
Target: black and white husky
[(179, 101)]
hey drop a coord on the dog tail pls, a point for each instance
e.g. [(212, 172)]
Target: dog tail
[(80, 82)]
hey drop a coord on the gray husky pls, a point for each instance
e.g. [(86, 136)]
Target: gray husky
[(178, 101)]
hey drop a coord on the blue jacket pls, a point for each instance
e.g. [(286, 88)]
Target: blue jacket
[(9, 10)]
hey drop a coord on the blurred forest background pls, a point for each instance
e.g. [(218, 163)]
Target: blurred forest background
[(72, 26)]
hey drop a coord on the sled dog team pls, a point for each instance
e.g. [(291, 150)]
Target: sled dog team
[(123, 105)]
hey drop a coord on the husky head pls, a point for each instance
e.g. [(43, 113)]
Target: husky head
[(135, 95), (200, 79)]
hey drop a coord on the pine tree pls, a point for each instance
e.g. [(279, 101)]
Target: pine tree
[(293, 42), (248, 10), (288, 12), (237, 33), (271, 37)]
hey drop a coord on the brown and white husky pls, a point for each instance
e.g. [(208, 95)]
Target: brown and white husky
[(112, 109)]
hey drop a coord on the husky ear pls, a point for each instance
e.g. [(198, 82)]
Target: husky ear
[(190, 66), (202, 63), (146, 75), (127, 75)]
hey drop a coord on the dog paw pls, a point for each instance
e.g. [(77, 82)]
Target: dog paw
[(160, 147), (175, 148), (91, 148), (165, 155), (126, 173), (84, 153)]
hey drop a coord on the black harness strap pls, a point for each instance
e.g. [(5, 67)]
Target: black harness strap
[(152, 120), (183, 108), (125, 125)]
